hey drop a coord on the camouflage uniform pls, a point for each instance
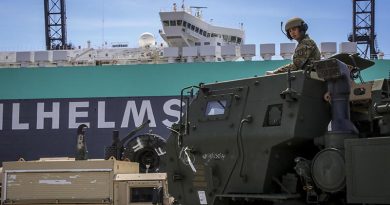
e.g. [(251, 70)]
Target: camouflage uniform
[(306, 50)]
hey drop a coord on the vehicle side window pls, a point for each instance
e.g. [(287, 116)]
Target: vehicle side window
[(273, 116), (216, 107)]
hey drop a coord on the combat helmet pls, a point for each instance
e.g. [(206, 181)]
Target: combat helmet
[(295, 22)]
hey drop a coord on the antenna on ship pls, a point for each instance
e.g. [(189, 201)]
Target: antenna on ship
[(103, 18), (198, 12)]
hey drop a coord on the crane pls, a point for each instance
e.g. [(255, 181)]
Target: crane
[(55, 25), (363, 33)]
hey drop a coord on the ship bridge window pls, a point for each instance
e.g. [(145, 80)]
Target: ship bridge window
[(189, 25), (196, 29), (200, 31), (179, 22), (217, 107), (166, 23), (204, 33), (233, 39), (184, 23), (238, 40), (208, 35), (192, 27), (214, 35), (173, 23), (225, 37), (206, 43)]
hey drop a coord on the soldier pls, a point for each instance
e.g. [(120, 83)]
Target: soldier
[(306, 51)]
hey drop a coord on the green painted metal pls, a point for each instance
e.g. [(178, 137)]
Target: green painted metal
[(380, 70), (134, 80)]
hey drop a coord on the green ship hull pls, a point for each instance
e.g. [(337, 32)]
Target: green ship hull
[(40, 108)]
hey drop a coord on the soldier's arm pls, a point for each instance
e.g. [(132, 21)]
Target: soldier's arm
[(285, 68)]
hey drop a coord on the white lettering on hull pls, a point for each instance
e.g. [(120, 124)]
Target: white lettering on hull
[(54, 115), (171, 112), (16, 125), (102, 116), (73, 114), (48, 115), (146, 109)]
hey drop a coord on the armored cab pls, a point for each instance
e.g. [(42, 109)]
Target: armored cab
[(275, 140), (244, 134)]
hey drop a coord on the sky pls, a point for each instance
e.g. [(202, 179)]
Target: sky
[(98, 21)]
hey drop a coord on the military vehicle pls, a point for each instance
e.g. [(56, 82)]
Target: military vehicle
[(308, 136), (70, 181), (132, 179)]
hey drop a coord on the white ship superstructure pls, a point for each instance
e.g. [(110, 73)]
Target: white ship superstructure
[(190, 38), (182, 29), (187, 38)]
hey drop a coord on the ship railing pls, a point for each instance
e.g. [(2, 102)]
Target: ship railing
[(82, 54)]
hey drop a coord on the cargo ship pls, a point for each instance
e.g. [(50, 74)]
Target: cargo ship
[(46, 95)]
